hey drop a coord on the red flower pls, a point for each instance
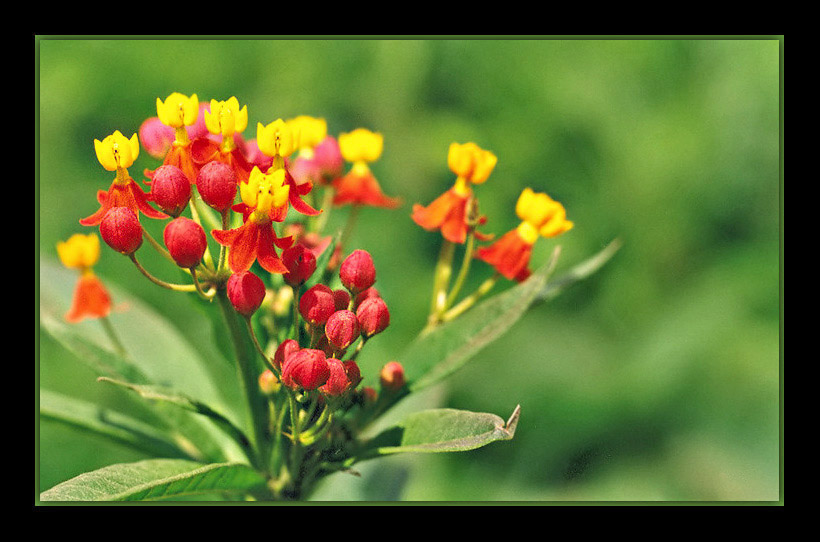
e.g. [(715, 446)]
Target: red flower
[(254, 241), (122, 193), (510, 255), (447, 213), (361, 188)]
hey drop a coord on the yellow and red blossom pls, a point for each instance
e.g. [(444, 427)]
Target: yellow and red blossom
[(540, 216), (226, 120), (118, 153), (90, 299), (264, 200), (450, 212), (359, 186)]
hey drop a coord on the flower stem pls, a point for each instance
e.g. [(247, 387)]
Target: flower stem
[(158, 282), (462, 273), (109, 330), (349, 225), (471, 300), (441, 279)]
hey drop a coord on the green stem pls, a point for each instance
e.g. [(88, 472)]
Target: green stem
[(441, 278), (158, 282), (261, 350), (206, 296), (462, 273), (248, 378), (109, 330), (327, 205), (471, 300), (349, 225), (296, 331)]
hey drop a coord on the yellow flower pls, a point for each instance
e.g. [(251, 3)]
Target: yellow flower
[(264, 192), (79, 251), (225, 117), (361, 145), (275, 139), (116, 151), (540, 215), (178, 110), (471, 162), (307, 131)]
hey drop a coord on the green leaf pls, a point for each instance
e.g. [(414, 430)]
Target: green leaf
[(321, 265), (443, 430), (156, 479), (449, 346), (110, 424), (165, 395), (578, 272)]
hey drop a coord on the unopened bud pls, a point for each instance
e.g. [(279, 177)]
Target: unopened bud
[(337, 381), (391, 376), (170, 189), (284, 350), (186, 241), (357, 271), (316, 305), (246, 292), (342, 328), (216, 183), (120, 229), (370, 292), (354, 374), (373, 316), (301, 264), (306, 368), (341, 299)]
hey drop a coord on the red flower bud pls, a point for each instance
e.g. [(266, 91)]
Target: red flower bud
[(186, 241), (373, 316), (283, 351), (342, 328), (370, 292), (170, 189), (391, 376), (337, 381), (369, 395), (358, 272), (268, 382), (316, 305), (341, 298), (246, 292), (353, 372), (120, 229), (216, 183), (306, 368), (301, 264)]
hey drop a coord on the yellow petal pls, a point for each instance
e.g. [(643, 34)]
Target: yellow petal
[(79, 251), (190, 110), (248, 191), (105, 157), (361, 145), (241, 119)]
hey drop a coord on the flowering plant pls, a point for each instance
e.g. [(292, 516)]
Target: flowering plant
[(245, 227)]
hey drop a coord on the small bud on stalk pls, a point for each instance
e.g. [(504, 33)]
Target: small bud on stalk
[(170, 189), (284, 350), (246, 292), (357, 272), (342, 328), (337, 381), (186, 241), (301, 264), (316, 305), (391, 376), (373, 316), (120, 229), (306, 369), (216, 183), (268, 382)]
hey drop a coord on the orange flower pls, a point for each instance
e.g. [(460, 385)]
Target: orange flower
[(91, 299), (541, 216), (359, 186), (449, 213)]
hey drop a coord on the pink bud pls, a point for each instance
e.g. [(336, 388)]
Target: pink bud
[(156, 137), (337, 381), (301, 264), (328, 159), (306, 368), (170, 189), (391, 376), (342, 328), (370, 292), (341, 298), (316, 305), (357, 271), (246, 292), (216, 183), (373, 316), (186, 241), (120, 229)]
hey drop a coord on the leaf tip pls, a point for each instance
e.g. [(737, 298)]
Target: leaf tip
[(512, 422)]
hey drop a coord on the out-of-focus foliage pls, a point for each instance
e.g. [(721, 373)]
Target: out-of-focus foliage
[(655, 379)]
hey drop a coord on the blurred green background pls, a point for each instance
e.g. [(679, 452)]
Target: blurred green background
[(657, 379)]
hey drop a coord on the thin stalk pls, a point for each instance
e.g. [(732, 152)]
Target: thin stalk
[(441, 278), (295, 310), (471, 300), (349, 224), (109, 330), (207, 296), (158, 282), (462, 273), (327, 201), (261, 350)]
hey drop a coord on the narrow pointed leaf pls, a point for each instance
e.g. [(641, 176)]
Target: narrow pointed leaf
[(578, 272), (109, 424), (443, 430), (156, 479)]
